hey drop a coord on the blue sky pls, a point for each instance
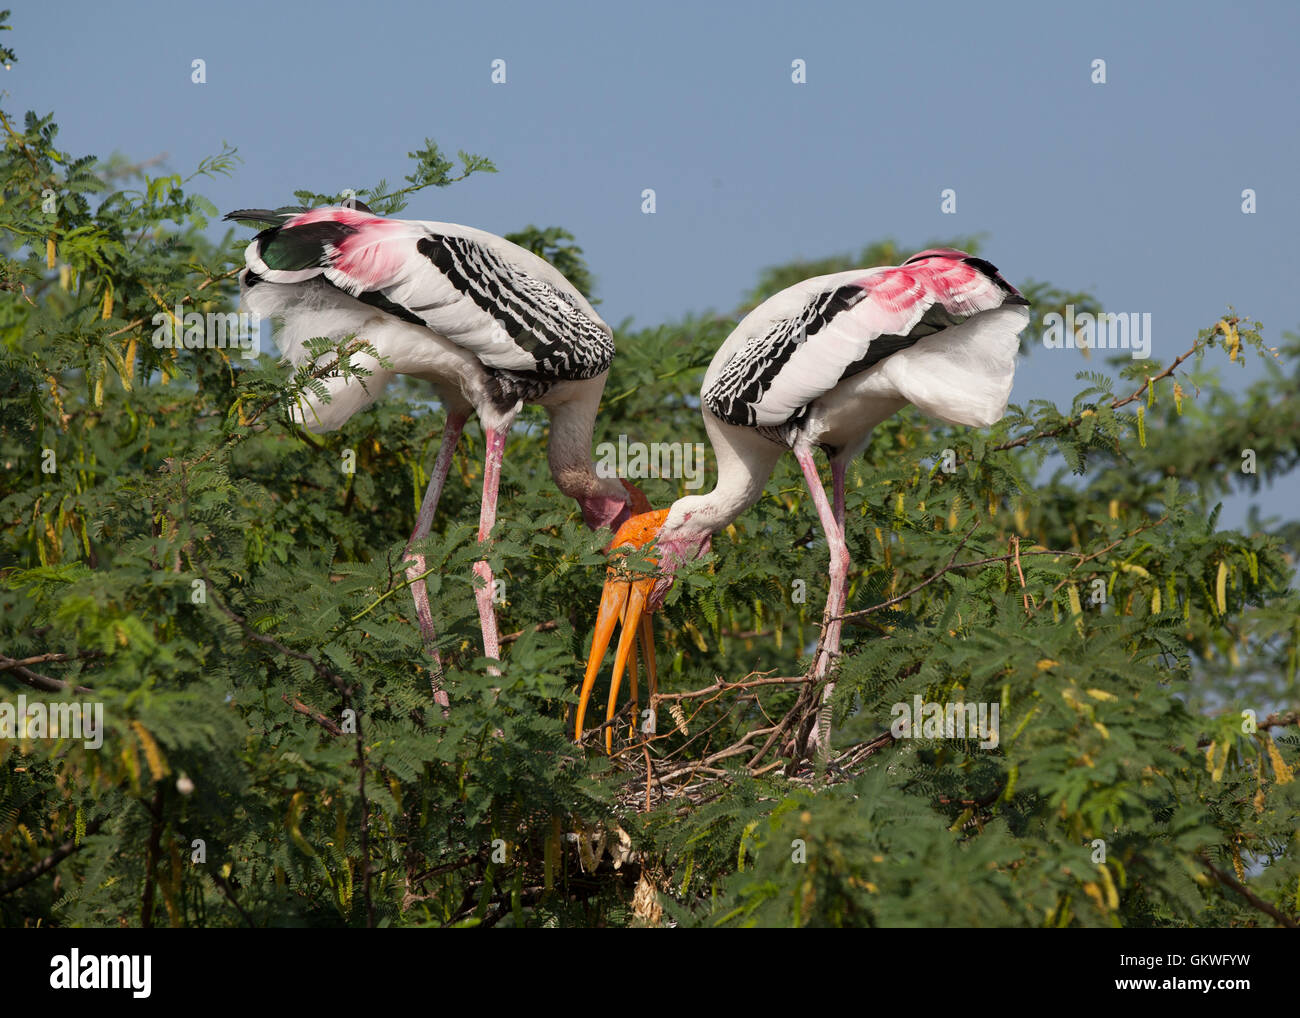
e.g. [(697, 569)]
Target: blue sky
[(1131, 189)]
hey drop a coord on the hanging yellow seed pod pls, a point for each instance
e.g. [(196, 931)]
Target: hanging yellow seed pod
[(1216, 759), (158, 768), (1285, 775), (49, 253), (1112, 895), (1221, 588), (128, 361), (1076, 608)]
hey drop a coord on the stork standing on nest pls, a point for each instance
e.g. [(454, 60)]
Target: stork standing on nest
[(488, 324), (818, 366)]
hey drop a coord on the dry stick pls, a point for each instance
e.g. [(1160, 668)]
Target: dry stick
[(856, 754), (69, 847), (722, 686), (321, 719), (777, 731), (715, 692), (224, 887), (6, 663), (44, 683), (1263, 906), (703, 761), (733, 750)]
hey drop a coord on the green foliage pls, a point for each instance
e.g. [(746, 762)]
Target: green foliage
[(432, 169), (272, 755), (7, 56)]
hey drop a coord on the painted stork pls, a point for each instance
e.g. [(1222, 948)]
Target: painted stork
[(490, 325), (819, 365)]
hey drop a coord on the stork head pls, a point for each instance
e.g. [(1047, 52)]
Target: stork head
[(631, 598), (611, 507)]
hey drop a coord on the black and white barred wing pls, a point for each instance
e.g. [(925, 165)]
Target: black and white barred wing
[(951, 319), (505, 305)]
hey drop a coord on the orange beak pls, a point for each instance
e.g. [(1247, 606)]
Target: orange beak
[(623, 600)]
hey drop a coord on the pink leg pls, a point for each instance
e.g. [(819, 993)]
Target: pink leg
[(838, 469), (839, 575), (415, 571), (496, 448)]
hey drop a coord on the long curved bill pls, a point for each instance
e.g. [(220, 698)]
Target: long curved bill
[(623, 600)]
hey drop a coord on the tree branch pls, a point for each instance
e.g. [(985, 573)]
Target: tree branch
[(68, 848), (1255, 902)]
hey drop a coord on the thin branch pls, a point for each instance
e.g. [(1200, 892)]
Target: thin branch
[(68, 848), (7, 663), (926, 582), (45, 683), (1229, 881), (1115, 404), (224, 886), (321, 719)]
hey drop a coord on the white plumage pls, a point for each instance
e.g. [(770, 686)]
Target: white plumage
[(818, 366), (487, 323)]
